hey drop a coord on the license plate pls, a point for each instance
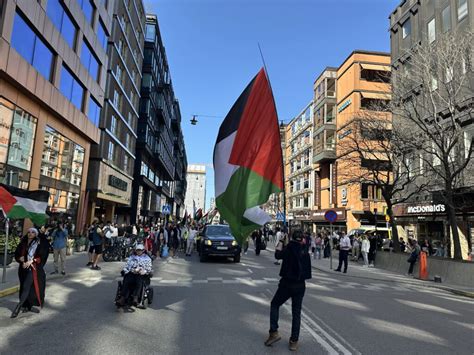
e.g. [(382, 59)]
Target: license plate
[(222, 248)]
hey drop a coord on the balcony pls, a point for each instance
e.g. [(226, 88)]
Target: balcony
[(300, 130), (301, 149), (324, 153)]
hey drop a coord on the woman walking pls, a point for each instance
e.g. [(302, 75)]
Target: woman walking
[(31, 254)]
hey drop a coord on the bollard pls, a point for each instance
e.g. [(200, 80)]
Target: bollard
[(423, 266), (438, 279)]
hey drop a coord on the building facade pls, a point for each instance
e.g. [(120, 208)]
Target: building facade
[(424, 216), (112, 161), (52, 86), (196, 189), (362, 87), (299, 166), (160, 144)]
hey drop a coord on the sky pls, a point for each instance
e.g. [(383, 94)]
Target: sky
[(212, 51)]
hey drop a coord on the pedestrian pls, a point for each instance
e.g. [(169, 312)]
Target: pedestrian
[(31, 255), (415, 253), (95, 250), (59, 236), (257, 238), (344, 247), (295, 269), (279, 237), (190, 241), (403, 245), (365, 249), (355, 248), (318, 246), (372, 250)]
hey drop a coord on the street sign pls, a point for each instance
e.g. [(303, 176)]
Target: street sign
[(330, 216), (280, 216), (166, 209), (387, 218)]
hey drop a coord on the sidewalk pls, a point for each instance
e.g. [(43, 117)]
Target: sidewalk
[(358, 270), (76, 261)]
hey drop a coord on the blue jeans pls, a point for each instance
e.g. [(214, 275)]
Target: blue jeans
[(287, 289)]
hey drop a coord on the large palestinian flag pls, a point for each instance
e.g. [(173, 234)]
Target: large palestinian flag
[(247, 159), (19, 204)]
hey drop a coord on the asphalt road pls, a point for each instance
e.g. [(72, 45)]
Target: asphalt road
[(220, 307)]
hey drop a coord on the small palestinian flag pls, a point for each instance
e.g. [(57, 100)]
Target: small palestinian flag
[(248, 165), (19, 204)]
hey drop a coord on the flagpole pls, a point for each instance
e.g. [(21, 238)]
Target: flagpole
[(281, 150), (5, 249)]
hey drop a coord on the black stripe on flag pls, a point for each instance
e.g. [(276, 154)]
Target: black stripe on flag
[(37, 195), (232, 120)]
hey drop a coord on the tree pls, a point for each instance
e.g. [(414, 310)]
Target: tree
[(369, 154), (432, 98)]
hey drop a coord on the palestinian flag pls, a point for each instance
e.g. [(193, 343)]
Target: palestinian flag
[(19, 204), (198, 215), (248, 165)]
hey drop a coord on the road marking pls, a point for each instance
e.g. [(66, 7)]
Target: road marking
[(328, 342), (270, 279), (214, 278), (200, 281), (250, 270)]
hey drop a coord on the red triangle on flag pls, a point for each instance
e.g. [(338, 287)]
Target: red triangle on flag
[(7, 201)]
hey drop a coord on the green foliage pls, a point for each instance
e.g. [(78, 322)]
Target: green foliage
[(13, 242)]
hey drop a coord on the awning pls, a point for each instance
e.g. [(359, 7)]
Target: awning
[(375, 95), (375, 67)]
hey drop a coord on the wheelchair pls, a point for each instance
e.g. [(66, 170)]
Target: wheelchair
[(145, 295)]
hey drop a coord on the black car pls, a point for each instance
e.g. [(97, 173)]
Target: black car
[(217, 240)]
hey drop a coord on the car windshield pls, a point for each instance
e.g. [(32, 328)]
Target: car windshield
[(214, 231)]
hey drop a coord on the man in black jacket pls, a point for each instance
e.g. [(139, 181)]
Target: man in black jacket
[(295, 269)]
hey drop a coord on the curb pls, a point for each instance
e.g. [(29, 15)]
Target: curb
[(445, 288), (9, 291)]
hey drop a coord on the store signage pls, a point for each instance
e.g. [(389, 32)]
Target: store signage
[(118, 183), (320, 215), (345, 134), (344, 106), (344, 196), (426, 209)]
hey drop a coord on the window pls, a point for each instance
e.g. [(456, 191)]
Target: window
[(448, 75), (87, 8), (467, 144), (125, 163), (406, 29), (150, 32), (446, 18), (127, 140), (110, 153), (31, 47), (94, 111), (71, 88), (102, 35), (116, 99), (422, 165), (364, 190), (113, 125), (462, 9), (432, 31), (433, 83), (89, 60), (62, 21)]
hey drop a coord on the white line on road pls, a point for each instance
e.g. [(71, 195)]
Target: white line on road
[(250, 270), (328, 342), (214, 278)]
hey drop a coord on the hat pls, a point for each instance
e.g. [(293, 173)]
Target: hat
[(139, 247), (34, 230)]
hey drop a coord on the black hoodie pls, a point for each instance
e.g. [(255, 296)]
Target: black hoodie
[(296, 266)]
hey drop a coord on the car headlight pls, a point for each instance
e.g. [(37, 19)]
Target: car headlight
[(234, 243), (208, 242)]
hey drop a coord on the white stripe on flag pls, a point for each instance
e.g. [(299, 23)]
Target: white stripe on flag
[(223, 170), (32, 205), (257, 215)]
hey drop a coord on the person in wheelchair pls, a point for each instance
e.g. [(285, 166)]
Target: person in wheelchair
[(137, 271)]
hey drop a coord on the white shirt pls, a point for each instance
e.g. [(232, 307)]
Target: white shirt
[(278, 237), (365, 246), (192, 234), (345, 243)]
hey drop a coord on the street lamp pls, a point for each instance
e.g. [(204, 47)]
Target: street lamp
[(194, 120)]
